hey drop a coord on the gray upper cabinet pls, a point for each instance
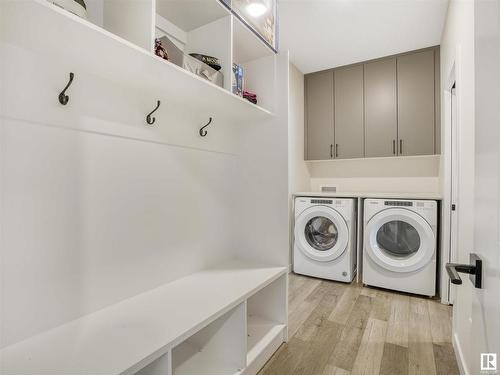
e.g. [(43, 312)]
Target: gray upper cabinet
[(383, 107), (381, 124), (319, 115), (416, 112), (349, 112)]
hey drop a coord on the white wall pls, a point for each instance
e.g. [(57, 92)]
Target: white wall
[(457, 53), (96, 206), (407, 174)]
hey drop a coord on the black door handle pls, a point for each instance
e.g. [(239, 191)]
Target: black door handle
[(474, 269)]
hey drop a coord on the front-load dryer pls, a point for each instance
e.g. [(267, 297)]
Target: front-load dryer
[(400, 245), (325, 238)]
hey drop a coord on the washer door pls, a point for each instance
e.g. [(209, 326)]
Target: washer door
[(399, 240), (321, 233)]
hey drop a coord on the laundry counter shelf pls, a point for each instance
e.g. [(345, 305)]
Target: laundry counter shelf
[(381, 195), (196, 324)]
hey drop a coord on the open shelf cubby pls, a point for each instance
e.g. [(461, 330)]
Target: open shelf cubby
[(129, 19), (202, 27), (266, 318), (161, 366), (258, 62), (208, 28), (217, 349)]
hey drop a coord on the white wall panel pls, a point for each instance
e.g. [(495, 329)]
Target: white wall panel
[(91, 219), (263, 216), (101, 106), (401, 174), (379, 184), (409, 166)]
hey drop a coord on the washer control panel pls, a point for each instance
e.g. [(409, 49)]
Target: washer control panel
[(321, 201), (398, 203)]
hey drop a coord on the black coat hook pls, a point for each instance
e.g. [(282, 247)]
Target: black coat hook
[(63, 98), (203, 132), (151, 120)]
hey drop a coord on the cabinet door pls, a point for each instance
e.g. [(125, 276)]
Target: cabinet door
[(349, 112), (319, 115), (380, 108), (416, 120)]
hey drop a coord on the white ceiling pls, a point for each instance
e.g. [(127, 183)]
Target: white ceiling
[(322, 34)]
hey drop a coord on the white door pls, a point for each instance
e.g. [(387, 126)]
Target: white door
[(454, 189), (486, 301), (484, 336)]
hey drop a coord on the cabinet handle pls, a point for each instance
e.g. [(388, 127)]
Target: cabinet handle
[(394, 147), (401, 147), (331, 151), (336, 150)]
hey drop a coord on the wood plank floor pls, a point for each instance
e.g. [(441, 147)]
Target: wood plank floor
[(340, 329)]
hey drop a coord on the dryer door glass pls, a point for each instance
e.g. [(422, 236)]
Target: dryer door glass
[(321, 233), (398, 238)]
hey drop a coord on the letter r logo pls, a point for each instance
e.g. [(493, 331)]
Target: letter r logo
[(488, 361)]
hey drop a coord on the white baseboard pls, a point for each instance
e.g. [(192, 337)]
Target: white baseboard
[(462, 366)]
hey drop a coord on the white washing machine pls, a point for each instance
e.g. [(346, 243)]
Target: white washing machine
[(400, 238), (325, 238)]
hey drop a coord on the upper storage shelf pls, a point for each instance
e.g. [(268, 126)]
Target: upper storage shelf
[(202, 28), (246, 45), (123, 54), (210, 28)]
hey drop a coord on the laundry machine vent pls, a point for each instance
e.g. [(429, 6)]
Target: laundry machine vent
[(328, 189)]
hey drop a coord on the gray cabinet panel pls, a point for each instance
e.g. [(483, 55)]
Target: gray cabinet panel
[(416, 112), (319, 115), (349, 112), (380, 108), (437, 97)]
